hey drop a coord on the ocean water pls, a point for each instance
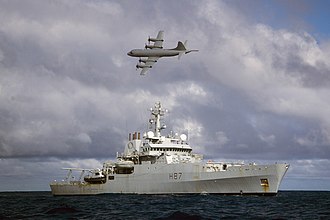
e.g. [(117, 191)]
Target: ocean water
[(286, 205)]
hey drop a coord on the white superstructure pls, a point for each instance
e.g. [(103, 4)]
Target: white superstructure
[(155, 164)]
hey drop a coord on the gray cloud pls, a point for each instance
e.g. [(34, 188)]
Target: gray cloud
[(69, 92)]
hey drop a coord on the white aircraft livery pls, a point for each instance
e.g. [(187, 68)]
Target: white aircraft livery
[(155, 51)]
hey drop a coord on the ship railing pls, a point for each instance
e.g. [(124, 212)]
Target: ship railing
[(64, 182), (228, 163), (75, 182), (71, 178), (197, 156)]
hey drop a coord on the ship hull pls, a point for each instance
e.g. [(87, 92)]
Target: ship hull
[(189, 178)]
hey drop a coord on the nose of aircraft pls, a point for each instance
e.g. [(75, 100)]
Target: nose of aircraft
[(130, 53)]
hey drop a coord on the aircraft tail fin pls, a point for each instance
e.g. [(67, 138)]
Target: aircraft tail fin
[(183, 49), (180, 46)]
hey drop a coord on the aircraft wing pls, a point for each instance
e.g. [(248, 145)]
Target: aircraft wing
[(148, 64), (160, 39)]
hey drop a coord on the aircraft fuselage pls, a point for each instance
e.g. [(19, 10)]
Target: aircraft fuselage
[(153, 53)]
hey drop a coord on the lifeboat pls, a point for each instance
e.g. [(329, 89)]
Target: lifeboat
[(124, 167), (97, 177), (124, 164)]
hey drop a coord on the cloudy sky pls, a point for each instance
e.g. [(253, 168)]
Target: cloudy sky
[(258, 90)]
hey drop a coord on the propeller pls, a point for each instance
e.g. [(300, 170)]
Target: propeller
[(137, 66), (142, 60)]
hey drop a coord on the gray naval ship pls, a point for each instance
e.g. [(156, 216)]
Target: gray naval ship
[(155, 164)]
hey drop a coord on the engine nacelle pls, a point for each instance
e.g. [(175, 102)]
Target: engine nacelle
[(152, 47), (147, 60), (141, 66), (142, 60), (154, 39)]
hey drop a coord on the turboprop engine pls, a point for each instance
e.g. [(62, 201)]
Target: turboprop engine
[(154, 39), (152, 46), (142, 66), (142, 60)]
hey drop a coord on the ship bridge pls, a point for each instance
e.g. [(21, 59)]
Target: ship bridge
[(155, 147), (172, 144)]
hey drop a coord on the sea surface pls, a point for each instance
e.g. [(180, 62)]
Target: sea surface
[(286, 205)]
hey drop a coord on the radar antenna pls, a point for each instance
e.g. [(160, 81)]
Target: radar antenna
[(156, 113)]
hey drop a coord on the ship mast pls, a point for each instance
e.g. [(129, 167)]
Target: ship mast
[(157, 112)]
